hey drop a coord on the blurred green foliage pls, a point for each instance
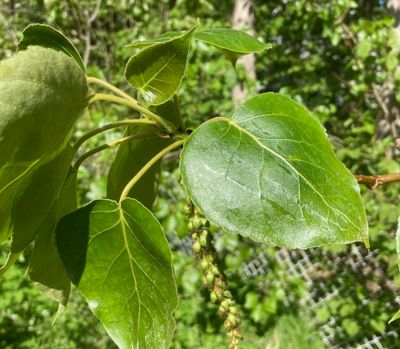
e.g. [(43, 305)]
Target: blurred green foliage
[(339, 58)]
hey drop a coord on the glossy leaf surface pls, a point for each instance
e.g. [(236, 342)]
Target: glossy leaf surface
[(46, 268), (157, 71), (118, 257), (46, 36), (269, 173), (233, 43)]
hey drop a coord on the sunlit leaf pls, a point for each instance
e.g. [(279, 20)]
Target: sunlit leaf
[(118, 257), (269, 173), (167, 36), (46, 36), (157, 71), (233, 43)]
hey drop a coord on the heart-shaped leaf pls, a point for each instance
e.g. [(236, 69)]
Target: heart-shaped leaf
[(269, 173), (46, 36), (233, 43), (118, 257), (45, 266), (158, 70)]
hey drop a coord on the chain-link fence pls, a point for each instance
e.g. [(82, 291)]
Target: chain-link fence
[(348, 293)]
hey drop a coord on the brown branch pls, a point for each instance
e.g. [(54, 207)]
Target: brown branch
[(373, 182)]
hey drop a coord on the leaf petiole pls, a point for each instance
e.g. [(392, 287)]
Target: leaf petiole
[(108, 145), (109, 126), (135, 106), (146, 167), (107, 85)]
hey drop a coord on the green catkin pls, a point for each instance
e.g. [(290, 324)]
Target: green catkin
[(213, 279)]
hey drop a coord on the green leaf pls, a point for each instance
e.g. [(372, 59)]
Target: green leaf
[(363, 49), (46, 36), (46, 269), (131, 288), (269, 173), (233, 43), (158, 70), (165, 37), (42, 93), (395, 317), (34, 203), (130, 158)]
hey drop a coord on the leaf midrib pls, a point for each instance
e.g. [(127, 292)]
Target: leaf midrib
[(279, 156)]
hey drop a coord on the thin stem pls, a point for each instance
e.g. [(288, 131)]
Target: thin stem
[(108, 145), (134, 105), (115, 124), (178, 114), (105, 84), (373, 182), (146, 167)]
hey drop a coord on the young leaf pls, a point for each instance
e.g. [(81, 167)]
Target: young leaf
[(131, 288), (130, 158), (46, 36), (162, 38), (45, 266), (269, 173), (233, 43), (158, 70)]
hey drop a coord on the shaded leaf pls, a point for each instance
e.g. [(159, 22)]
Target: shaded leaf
[(269, 173), (46, 268), (133, 155), (46, 36), (130, 158), (42, 93), (158, 70), (233, 43), (37, 199), (131, 288)]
